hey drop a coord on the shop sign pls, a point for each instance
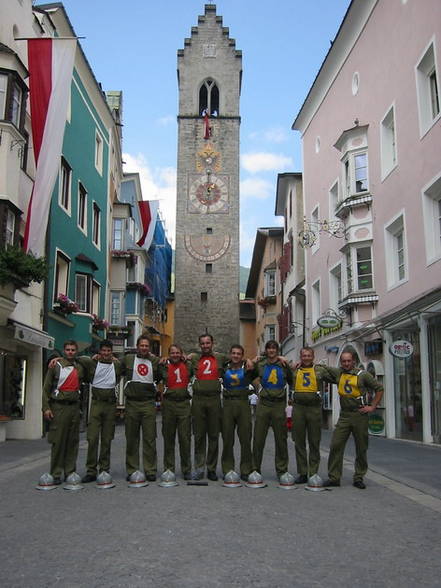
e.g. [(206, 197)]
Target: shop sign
[(374, 347), (376, 424), (401, 349), (328, 321)]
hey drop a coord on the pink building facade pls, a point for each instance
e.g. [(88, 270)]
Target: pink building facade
[(371, 134)]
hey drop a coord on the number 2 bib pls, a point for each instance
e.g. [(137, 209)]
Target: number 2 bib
[(207, 368)]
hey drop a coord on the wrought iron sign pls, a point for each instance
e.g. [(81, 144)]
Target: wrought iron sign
[(311, 229)]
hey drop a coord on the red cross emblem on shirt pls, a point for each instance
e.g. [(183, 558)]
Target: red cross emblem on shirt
[(143, 369)]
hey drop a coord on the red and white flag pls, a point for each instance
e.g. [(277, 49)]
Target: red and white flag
[(50, 64), (148, 210)]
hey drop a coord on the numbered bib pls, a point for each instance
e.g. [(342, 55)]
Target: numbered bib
[(177, 376), (348, 386), (207, 368), (234, 379), (273, 377), (306, 380)]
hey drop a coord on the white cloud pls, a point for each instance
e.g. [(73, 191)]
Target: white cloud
[(272, 135), (164, 121), (257, 162), (256, 188), (157, 184)]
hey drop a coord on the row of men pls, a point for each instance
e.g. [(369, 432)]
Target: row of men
[(211, 376)]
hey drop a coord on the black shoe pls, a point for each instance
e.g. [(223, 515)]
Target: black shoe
[(188, 476), (359, 484), (332, 483), (197, 475), (88, 478), (244, 477), (212, 476), (301, 479), (128, 477), (57, 481), (150, 477)]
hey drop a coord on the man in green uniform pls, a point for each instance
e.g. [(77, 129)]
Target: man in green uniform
[(237, 412), (103, 373), (307, 413), (274, 376), (353, 386), (206, 406), (61, 407), (141, 370), (176, 410)]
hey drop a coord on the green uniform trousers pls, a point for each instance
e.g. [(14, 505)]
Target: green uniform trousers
[(236, 413), (307, 423), (357, 424), (64, 436), (176, 416), (207, 413), (271, 415), (101, 425), (140, 415)]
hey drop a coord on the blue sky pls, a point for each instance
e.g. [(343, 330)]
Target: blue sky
[(131, 46)]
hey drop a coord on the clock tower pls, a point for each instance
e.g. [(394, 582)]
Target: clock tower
[(207, 213)]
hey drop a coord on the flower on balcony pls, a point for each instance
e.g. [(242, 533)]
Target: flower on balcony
[(65, 305), (99, 324), (143, 288)]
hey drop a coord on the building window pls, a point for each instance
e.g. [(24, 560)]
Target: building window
[(209, 268), (65, 180), (209, 98), (10, 228), (132, 273), (13, 94), (209, 231), (335, 286), (204, 296), (116, 314), (349, 286), (388, 143), (83, 292), (62, 267), (82, 207), (118, 235), (427, 90), (270, 333), (270, 283), (98, 152), (395, 244), (96, 224), (96, 289), (315, 302), (356, 174), (432, 220), (131, 339), (364, 268), (333, 199)]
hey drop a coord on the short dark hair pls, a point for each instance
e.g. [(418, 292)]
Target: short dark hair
[(271, 343), (237, 346), (177, 347), (206, 335), (141, 337), (70, 342), (106, 343), (352, 354), (307, 348)]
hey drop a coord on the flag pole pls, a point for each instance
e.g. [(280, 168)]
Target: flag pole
[(51, 38)]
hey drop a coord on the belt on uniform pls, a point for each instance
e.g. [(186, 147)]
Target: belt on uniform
[(236, 398), (65, 401), (109, 400), (266, 399), (206, 394), (176, 399), (350, 409)]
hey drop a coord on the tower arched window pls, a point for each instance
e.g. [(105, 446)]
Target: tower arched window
[(209, 98)]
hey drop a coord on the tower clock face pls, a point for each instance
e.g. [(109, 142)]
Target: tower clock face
[(208, 193)]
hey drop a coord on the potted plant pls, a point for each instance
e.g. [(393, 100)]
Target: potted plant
[(21, 268)]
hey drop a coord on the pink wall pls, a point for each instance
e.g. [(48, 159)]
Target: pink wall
[(385, 57)]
